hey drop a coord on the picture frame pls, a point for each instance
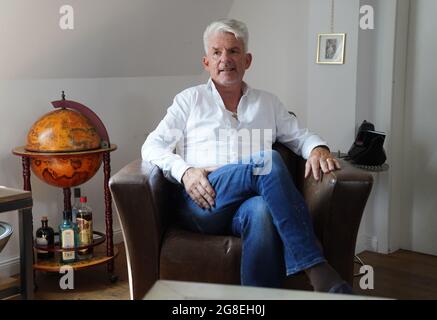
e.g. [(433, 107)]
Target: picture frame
[(331, 48)]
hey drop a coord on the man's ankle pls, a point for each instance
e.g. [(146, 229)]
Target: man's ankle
[(323, 277)]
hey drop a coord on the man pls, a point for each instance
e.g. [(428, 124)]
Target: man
[(232, 186)]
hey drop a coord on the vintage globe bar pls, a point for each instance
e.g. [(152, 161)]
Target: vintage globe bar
[(65, 148)]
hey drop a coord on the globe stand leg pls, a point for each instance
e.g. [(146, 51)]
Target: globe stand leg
[(108, 215), (67, 199), (26, 173)]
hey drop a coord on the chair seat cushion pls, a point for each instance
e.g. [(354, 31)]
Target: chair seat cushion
[(190, 256)]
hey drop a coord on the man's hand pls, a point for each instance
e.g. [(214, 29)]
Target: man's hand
[(198, 187), (320, 158)]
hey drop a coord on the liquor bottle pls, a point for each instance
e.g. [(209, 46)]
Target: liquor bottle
[(45, 236), (67, 238), (84, 221), (76, 203)]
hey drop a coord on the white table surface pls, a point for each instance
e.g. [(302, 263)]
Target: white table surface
[(180, 290)]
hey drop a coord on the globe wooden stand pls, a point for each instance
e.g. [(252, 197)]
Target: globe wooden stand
[(54, 266)]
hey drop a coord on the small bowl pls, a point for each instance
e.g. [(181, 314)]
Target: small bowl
[(5, 233)]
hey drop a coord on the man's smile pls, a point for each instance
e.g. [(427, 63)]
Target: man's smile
[(227, 70)]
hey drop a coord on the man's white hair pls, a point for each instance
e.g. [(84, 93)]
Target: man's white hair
[(237, 28)]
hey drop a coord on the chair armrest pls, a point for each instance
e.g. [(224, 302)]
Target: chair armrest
[(336, 204), (139, 191)]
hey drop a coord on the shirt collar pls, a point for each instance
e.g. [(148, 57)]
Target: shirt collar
[(211, 86)]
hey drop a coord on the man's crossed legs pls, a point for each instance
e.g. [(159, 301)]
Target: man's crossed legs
[(265, 209)]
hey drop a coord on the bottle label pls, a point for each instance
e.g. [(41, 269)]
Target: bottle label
[(67, 242), (85, 228), (42, 241), (85, 231)]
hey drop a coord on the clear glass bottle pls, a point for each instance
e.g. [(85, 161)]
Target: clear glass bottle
[(84, 221), (76, 203), (67, 238), (45, 236)]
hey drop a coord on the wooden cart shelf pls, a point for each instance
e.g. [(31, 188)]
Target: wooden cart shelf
[(54, 265)]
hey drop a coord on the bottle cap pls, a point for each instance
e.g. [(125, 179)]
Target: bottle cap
[(83, 199), (77, 192)]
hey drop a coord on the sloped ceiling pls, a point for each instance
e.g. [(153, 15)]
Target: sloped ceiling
[(111, 38)]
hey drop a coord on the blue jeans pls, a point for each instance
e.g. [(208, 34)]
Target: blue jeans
[(266, 211)]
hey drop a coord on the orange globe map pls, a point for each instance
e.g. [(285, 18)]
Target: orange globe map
[(63, 141)]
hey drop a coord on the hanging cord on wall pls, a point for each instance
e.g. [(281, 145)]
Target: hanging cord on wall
[(332, 15)]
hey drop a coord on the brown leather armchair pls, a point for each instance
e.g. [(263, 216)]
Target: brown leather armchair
[(156, 248)]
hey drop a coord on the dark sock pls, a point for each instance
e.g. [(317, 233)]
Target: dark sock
[(323, 277)]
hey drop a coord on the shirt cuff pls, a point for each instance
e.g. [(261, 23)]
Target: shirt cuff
[(310, 144), (178, 169)]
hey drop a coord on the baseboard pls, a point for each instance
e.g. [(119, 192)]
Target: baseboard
[(366, 243), (11, 266)]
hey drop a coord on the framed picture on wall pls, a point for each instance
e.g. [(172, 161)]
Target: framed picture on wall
[(330, 48)]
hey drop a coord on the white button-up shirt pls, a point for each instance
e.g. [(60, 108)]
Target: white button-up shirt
[(198, 130)]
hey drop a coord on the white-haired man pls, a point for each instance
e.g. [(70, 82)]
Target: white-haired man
[(222, 189)]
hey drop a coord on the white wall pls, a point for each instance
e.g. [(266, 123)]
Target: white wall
[(396, 143), (111, 38), (278, 42), (332, 88), (400, 211), (420, 155), (375, 92)]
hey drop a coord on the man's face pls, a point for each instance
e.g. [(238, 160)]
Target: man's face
[(226, 60)]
